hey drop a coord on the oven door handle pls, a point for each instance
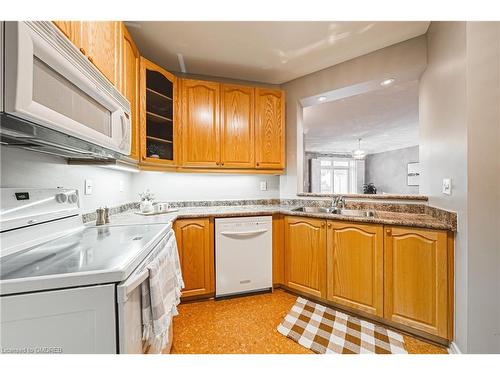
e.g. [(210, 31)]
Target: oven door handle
[(124, 289)]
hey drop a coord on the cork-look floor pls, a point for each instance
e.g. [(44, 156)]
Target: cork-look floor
[(247, 325)]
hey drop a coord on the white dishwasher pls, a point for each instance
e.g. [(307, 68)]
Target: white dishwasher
[(243, 255)]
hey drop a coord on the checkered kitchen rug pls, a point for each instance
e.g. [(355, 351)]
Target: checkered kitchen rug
[(324, 330)]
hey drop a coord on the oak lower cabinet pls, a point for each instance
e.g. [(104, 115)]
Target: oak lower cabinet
[(355, 266), (416, 279), (305, 255), (195, 241)]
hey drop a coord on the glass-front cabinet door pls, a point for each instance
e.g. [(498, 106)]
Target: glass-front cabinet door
[(158, 116)]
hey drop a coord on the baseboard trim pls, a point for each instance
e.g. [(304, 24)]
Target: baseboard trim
[(454, 349)]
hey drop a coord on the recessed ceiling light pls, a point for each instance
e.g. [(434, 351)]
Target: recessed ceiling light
[(387, 82), (322, 98)]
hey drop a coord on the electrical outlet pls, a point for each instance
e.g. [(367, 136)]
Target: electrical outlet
[(447, 186), (121, 185), (88, 187), (263, 185)]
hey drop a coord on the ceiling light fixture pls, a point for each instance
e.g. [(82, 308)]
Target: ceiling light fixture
[(322, 98), (359, 153), (387, 82)]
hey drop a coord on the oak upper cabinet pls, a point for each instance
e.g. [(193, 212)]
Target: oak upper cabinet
[(100, 42), (200, 124), (158, 112), (305, 255), (416, 279), (355, 266), (72, 30), (270, 129), (237, 127), (130, 86), (196, 252)]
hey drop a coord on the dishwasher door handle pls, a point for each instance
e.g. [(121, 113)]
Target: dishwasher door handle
[(244, 234)]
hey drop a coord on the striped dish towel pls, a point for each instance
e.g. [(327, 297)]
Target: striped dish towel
[(160, 295)]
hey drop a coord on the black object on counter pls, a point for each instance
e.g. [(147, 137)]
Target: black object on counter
[(369, 188)]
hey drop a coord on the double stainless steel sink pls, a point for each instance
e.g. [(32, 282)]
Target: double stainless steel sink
[(335, 211)]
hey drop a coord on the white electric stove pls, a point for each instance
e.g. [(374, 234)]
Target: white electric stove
[(62, 284)]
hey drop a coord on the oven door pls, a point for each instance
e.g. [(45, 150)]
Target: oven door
[(130, 320), (49, 82), (129, 300)]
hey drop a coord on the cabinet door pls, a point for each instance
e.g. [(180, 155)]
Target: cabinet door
[(71, 29), (100, 42), (355, 266), (416, 279), (130, 85), (270, 129), (196, 251), (200, 123), (237, 126), (278, 250), (158, 116), (305, 255)]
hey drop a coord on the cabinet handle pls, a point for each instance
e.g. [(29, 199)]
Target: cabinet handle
[(388, 232), (83, 51), (258, 164), (322, 225), (91, 59), (222, 163), (329, 225), (216, 163)]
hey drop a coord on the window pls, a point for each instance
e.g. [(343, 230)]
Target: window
[(338, 176), (326, 180), (341, 181)]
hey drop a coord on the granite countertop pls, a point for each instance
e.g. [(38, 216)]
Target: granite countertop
[(381, 217)]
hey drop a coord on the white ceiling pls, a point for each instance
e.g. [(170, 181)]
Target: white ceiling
[(386, 119), (271, 52)]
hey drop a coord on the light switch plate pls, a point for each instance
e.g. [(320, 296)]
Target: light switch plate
[(263, 185), (447, 186), (88, 187), (122, 186)]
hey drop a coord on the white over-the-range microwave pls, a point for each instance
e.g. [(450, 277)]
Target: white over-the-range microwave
[(47, 82)]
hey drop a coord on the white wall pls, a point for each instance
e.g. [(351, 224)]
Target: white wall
[(388, 170), (443, 144), (483, 195), (196, 187), (406, 59), (22, 168), (460, 139)]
